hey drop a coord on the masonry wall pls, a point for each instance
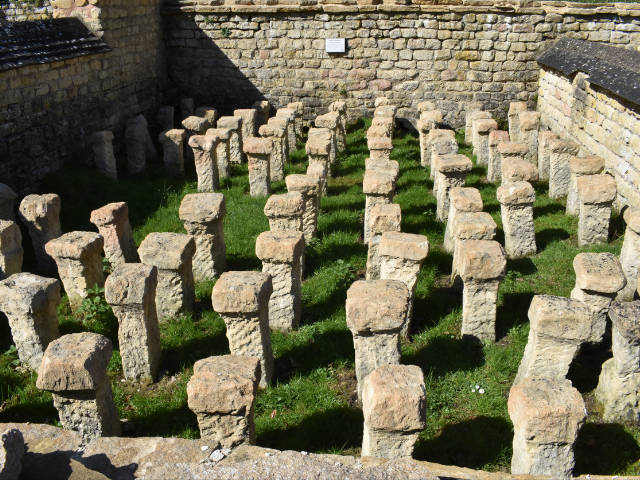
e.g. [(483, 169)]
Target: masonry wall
[(601, 123), (229, 56), (18, 11)]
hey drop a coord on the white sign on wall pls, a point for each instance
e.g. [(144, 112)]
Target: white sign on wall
[(334, 45)]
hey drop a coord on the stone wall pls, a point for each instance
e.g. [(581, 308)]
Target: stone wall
[(19, 11), (231, 55), (601, 123)]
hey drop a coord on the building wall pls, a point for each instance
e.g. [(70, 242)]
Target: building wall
[(18, 11), (599, 122)]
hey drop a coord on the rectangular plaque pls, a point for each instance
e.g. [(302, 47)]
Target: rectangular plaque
[(334, 45)]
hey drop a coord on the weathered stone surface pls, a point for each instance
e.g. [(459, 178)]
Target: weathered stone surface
[(223, 149), (31, 303), (383, 218), (113, 225), (425, 106), (11, 453), (258, 152), (140, 147), (516, 205), (172, 142), (222, 392), (494, 166), (11, 251), (41, 215), (307, 186), (210, 114), (285, 211), (630, 253), (379, 188), (7, 202), (596, 194), (236, 154), (481, 129), (79, 259), (439, 142), (515, 169), (131, 292), (330, 121), (394, 405), (242, 300), (105, 160), (204, 154), (544, 153), (390, 167), (318, 148), (461, 199), (172, 254), (547, 415), (429, 120), (473, 112), (277, 133), (560, 152), (529, 124), (289, 115), (450, 171), (578, 167), (203, 215), (513, 116), (264, 110), (379, 147), (385, 110), (195, 125), (298, 108)]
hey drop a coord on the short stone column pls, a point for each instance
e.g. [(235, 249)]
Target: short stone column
[(308, 187), (236, 138), (281, 126), (11, 251), (113, 225), (258, 152), (428, 121), (281, 252), (387, 111), (249, 118), (394, 403), (469, 226), (318, 172), (285, 211), (222, 137), (79, 259), (298, 108), (172, 254), (74, 370), (105, 160), (390, 167), (516, 206), (330, 121), (461, 200), (519, 170), (440, 142), (596, 194), (173, 151), (318, 148), (494, 167), (140, 147), (513, 117), (165, 117), (579, 167), (451, 171), (482, 266), (560, 152), (203, 216), (379, 188), (472, 111), (376, 311), (7, 202), (379, 147), (210, 114), (425, 106), (131, 292), (289, 116), (31, 303), (242, 300), (204, 153), (195, 125), (619, 381), (263, 111), (558, 327), (547, 415), (630, 253), (477, 117), (544, 153), (379, 101), (277, 136), (382, 218), (401, 256), (385, 125), (222, 394), (599, 278), (340, 106), (187, 107), (481, 130), (529, 124), (507, 152)]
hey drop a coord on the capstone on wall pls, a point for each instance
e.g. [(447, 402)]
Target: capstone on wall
[(18, 11), (601, 123), (229, 56)]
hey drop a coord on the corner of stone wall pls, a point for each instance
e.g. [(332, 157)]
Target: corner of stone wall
[(86, 10)]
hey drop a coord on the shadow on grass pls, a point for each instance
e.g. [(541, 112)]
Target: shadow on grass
[(170, 422), (512, 312), (550, 235), (551, 208), (472, 443), (522, 265), (33, 411), (604, 448), (242, 263), (585, 369), (445, 354)]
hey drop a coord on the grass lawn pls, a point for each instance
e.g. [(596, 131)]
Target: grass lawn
[(311, 403)]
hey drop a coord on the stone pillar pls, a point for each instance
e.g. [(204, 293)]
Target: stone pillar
[(7, 202), (258, 152), (383, 124), (529, 124), (140, 148), (494, 167), (387, 111), (242, 300), (11, 251), (187, 107), (425, 106), (131, 292), (318, 172), (376, 311), (516, 205), (547, 415), (203, 215), (440, 142), (451, 171), (619, 381), (482, 266), (517, 169), (113, 225), (172, 254), (470, 110), (340, 107), (249, 118), (513, 116), (507, 152), (263, 110), (379, 147), (630, 253), (318, 150), (596, 194), (383, 218), (308, 187), (298, 108), (210, 114), (560, 152), (579, 167), (173, 151), (285, 211), (558, 326), (222, 393), (599, 278), (31, 303), (196, 125), (236, 154), (281, 125), (74, 370), (469, 226), (380, 101), (481, 130), (545, 138), (330, 121), (223, 149), (204, 154), (277, 136), (289, 116), (379, 188), (475, 117), (105, 160), (461, 200), (401, 256), (390, 167), (394, 403), (79, 259), (428, 121), (165, 117), (281, 253)]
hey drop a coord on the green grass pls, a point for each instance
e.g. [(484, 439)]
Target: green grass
[(311, 404)]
